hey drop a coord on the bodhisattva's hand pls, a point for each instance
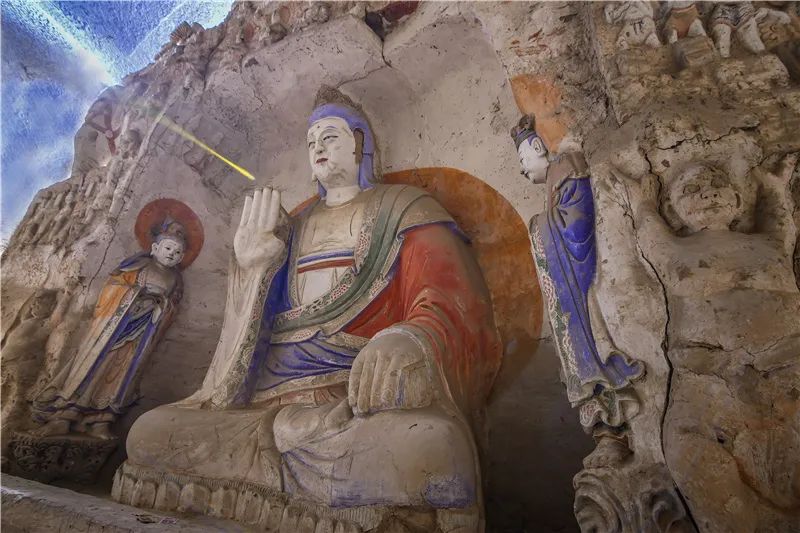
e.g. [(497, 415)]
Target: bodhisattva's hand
[(390, 372), (255, 242)]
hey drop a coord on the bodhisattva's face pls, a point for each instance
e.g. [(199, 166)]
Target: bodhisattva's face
[(533, 159), (331, 151), (703, 197), (167, 252)]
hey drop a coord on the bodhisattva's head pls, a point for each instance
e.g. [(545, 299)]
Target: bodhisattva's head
[(531, 150), (533, 159), (168, 251), (169, 245), (704, 197)]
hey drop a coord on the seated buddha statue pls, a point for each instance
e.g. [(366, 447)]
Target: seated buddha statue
[(356, 354)]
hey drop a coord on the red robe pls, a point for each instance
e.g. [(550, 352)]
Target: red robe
[(438, 286)]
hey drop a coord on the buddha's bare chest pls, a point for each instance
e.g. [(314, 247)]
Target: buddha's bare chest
[(332, 229)]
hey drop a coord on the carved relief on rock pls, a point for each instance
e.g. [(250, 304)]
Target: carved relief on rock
[(680, 19), (23, 345), (721, 243), (337, 354), (643, 500), (636, 19), (729, 18)]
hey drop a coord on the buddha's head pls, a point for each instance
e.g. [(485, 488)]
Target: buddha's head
[(341, 147), (531, 150), (703, 197), (169, 245)]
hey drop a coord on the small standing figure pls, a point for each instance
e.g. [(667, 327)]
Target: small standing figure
[(29, 226), (133, 311), (636, 19), (50, 216), (682, 19), (741, 19), (64, 221)]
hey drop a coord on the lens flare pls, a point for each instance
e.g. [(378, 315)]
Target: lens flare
[(163, 119)]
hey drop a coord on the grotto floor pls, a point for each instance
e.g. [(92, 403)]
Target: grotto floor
[(33, 507)]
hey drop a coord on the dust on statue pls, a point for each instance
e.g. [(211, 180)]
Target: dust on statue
[(357, 351), (100, 383)]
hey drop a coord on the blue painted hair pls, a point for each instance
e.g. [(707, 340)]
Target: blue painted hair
[(169, 229), (526, 129), (356, 121)]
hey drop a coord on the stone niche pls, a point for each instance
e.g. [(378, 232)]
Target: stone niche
[(438, 96)]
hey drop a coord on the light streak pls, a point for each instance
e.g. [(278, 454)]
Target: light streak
[(186, 135)]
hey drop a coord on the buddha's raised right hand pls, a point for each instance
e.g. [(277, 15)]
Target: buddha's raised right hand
[(255, 242)]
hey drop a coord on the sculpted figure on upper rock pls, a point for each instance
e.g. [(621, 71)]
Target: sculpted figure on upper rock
[(681, 18), (29, 226), (357, 350), (133, 311), (741, 19), (636, 19), (722, 248)]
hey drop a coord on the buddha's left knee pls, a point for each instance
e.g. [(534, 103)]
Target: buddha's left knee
[(416, 457)]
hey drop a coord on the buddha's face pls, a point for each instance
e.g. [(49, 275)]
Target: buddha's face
[(533, 159), (703, 197), (331, 151), (167, 252)]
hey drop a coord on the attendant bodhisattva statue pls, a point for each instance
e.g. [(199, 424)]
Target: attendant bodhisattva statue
[(133, 310)]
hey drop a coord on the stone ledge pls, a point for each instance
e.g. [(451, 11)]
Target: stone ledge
[(33, 507)]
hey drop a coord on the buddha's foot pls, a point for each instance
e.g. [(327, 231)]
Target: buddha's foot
[(101, 430), (53, 428)]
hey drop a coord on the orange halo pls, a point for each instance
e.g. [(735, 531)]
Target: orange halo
[(152, 216)]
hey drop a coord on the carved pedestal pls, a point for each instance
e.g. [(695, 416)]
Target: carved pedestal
[(74, 457), (629, 499)]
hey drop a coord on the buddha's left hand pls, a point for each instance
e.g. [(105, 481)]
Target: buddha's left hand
[(390, 372)]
